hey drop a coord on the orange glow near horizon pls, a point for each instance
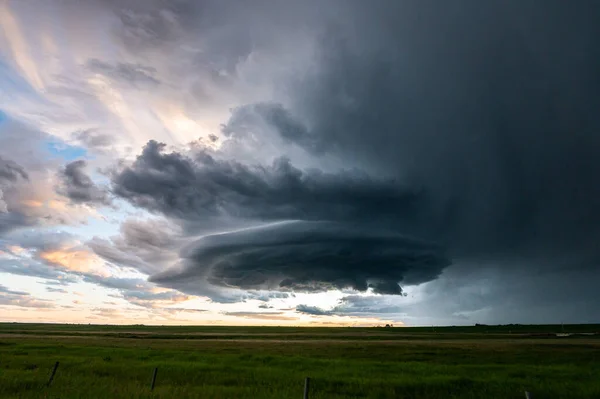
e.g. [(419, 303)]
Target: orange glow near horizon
[(116, 316), (74, 260)]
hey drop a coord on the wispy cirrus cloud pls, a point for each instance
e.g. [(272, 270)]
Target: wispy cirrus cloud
[(22, 299)]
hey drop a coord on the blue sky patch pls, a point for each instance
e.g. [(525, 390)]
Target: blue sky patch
[(12, 82), (59, 149)]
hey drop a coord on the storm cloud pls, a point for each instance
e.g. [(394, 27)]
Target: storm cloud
[(79, 187), (439, 157), (489, 117), (490, 114), (308, 257), (146, 245), (335, 241), (178, 185), (250, 119), (434, 142), (10, 172)]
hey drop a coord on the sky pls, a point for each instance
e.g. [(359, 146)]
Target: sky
[(299, 162)]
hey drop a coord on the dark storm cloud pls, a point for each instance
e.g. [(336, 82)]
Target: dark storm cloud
[(108, 251), (230, 30), (10, 221), (10, 171), (313, 310), (298, 256), (148, 24), (254, 118), (308, 257), (132, 74), (79, 187), (489, 109), (268, 296), (148, 235), (177, 185), (354, 305), (473, 125)]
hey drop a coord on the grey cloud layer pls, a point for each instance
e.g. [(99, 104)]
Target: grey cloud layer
[(309, 257), (79, 187), (177, 185), (10, 172), (125, 73), (148, 246), (29, 187), (485, 157), (301, 256), (256, 118), (491, 114), (135, 290), (22, 299), (356, 305), (489, 117), (93, 139), (467, 124)]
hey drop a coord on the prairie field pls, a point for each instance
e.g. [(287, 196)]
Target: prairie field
[(272, 362)]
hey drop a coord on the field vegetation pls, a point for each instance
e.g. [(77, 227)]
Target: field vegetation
[(268, 362)]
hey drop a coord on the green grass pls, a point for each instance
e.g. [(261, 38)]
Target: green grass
[(261, 362)]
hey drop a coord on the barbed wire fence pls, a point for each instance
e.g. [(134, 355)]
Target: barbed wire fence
[(307, 382)]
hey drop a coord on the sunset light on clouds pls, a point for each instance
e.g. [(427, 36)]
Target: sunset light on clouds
[(196, 162)]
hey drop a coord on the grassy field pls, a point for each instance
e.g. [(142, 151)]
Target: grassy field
[(262, 362)]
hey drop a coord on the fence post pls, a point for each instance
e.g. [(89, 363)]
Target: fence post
[(527, 395), (52, 374), (306, 387), (153, 379)]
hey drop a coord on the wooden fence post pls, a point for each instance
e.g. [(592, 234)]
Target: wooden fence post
[(306, 387), (52, 374), (153, 379)]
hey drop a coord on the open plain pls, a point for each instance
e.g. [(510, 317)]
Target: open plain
[(269, 362)]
